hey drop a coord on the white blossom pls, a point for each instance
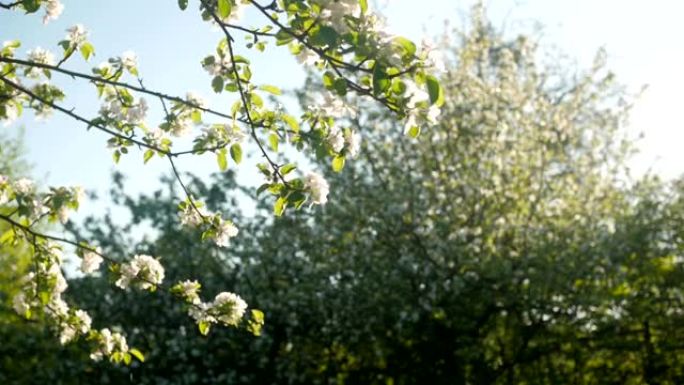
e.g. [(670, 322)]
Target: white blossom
[(155, 136), (41, 56), (225, 231), (63, 214), (334, 107), (20, 304), (228, 308), (434, 58), (129, 60), (180, 127), (57, 307), (55, 273), (53, 8), (193, 217), (353, 142), (136, 113), (200, 312), (79, 324), (83, 321), (109, 343), (23, 186), (105, 67), (318, 187), (77, 34), (189, 290), (335, 139), (307, 57), (143, 271), (91, 261), (334, 12), (215, 68), (11, 114), (195, 99), (415, 94)]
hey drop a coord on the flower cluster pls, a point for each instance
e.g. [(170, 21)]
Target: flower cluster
[(40, 56), (42, 292), (53, 8), (227, 308), (143, 272), (76, 35), (335, 12), (109, 344), (193, 214), (318, 187), (55, 204), (90, 260)]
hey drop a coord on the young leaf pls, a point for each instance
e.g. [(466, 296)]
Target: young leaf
[(364, 5), (204, 327), (87, 50), (414, 131), (217, 84), (224, 8), (273, 142), (137, 354), (338, 163), (286, 169), (380, 79), (435, 91), (148, 155), (222, 159), (279, 206), (291, 121), (271, 89), (236, 153)]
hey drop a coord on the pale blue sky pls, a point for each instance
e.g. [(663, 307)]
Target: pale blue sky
[(642, 39)]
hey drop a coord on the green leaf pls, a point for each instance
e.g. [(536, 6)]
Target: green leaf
[(262, 188), (435, 91), (338, 163), (271, 89), (127, 358), (217, 84), (224, 7), (328, 80), (87, 50), (236, 153), (291, 121), (283, 37), (31, 5), (116, 156), (341, 86), (137, 354), (256, 322), (286, 169), (148, 155), (380, 79), (6, 236), (183, 4), (414, 131), (273, 142), (279, 206), (325, 36), (407, 45), (364, 6), (222, 159), (204, 327)]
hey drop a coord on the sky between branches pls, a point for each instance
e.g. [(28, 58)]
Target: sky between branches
[(642, 40)]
